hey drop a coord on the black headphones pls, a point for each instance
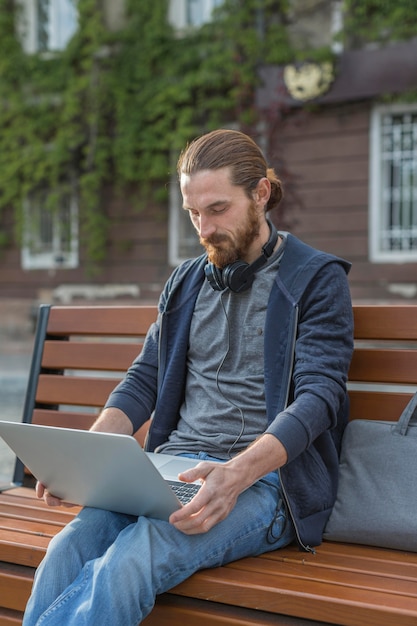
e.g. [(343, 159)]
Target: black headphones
[(239, 276)]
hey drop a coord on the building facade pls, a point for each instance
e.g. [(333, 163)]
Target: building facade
[(347, 158)]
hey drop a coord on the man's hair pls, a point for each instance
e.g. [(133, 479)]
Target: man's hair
[(235, 150)]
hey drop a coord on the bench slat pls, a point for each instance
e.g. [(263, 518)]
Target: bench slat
[(82, 421), (377, 405), (15, 585), (123, 321), (320, 570), (301, 597), (402, 565), (397, 322), (64, 419), (384, 366), (10, 618), (28, 527), (22, 549), (89, 356), (172, 609), (76, 390), (18, 507)]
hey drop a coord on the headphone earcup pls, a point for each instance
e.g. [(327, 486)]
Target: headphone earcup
[(214, 277), (238, 276)]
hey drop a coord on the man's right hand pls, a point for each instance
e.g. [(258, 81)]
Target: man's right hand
[(42, 492)]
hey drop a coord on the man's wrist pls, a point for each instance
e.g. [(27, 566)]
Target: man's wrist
[(265, 455)]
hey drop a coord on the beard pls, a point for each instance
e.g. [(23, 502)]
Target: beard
[(223, 250)]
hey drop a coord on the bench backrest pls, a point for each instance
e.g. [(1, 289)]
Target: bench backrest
[(81, 352), (383, 372)]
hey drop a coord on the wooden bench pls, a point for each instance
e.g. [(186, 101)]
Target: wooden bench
[(79, 355)]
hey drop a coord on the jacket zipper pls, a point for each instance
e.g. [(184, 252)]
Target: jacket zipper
[(284, 492), (297, 534)]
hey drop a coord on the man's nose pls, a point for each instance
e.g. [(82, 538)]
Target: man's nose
[(207, 227)]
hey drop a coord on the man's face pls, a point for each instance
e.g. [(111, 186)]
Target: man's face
[(226, 220)]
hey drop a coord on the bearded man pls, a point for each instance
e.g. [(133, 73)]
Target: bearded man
[(246, 370)]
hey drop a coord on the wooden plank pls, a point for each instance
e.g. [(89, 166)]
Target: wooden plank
[(300, 597), (101, 320), (80, 355), (173, 610), (322, 571), (385, 322), (43, 528), (318, 172), (15, 585), (34, 509), (64, 419), (10, 618), (76, 390), (377, 405), (27, 525), (329, 147), (384, 366), (73, 419), (369, 559), (15, 547)]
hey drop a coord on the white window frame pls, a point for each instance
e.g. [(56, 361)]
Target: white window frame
[(61, 25), (398, 201), (336, 25), (38, 254), (183, 240)]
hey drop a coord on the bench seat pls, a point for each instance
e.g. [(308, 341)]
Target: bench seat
[(378, 585), (342, 584)]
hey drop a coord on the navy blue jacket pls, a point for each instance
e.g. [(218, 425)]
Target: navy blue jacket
[(308, 348)]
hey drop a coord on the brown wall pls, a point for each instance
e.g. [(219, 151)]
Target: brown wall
[(326, 154), (136, 254)]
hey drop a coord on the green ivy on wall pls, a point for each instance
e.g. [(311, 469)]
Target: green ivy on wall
[(379, 21), (115, 107)]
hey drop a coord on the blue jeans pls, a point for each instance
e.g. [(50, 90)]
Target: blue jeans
[(106, 568)]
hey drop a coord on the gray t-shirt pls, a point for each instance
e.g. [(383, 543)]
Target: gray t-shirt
[(224, 405)]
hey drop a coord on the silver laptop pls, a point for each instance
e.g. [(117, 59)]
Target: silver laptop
[(101, 470)]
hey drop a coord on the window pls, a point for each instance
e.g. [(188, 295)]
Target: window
[(183, 238), (393, 184), (47, 25), (50, 238), (198, 12), (191, 13)]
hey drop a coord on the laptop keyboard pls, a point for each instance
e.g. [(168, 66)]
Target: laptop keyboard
[(184, 491)]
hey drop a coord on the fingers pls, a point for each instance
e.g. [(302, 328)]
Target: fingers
[(202, 513), (199, 472), (40, 489), (211, 504), (197, 523), (51, 500)]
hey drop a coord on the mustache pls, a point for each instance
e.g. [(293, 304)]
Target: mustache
[(214, 240)]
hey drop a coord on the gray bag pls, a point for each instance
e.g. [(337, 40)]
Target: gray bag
[(376, 500)]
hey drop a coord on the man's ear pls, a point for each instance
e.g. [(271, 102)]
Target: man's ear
[(262, 192)]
